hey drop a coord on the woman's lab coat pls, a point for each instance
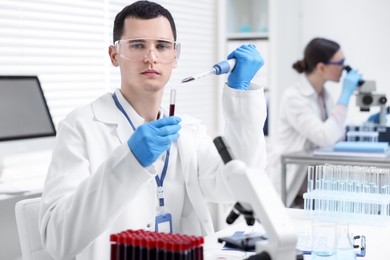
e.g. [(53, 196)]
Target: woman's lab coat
[(93, 175), (300, 127)]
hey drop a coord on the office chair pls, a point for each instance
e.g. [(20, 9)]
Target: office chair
[(26, 212)]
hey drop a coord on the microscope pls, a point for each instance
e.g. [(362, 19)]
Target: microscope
[(366, 98), (258, 200)]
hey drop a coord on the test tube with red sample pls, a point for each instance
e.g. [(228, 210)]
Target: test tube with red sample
[(148, 245), (172, 102)]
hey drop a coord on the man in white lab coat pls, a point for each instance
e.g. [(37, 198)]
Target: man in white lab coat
[(122, 163)]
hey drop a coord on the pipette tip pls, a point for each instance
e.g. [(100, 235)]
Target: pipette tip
[(187, 79)]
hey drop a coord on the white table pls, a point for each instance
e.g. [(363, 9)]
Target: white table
[(378, 238)]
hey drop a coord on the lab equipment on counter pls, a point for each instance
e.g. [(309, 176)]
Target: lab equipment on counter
[(363, 142), (352, 194), (222, 67), (366, 98), (265, 203), (243, 241), (147, 245), (305, 244), (365, 147), (362, 136), (368, 132)]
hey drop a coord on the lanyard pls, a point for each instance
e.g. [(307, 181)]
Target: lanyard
[(159, 182)]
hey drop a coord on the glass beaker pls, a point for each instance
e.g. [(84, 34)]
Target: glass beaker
[(344, 249), (323, 240)]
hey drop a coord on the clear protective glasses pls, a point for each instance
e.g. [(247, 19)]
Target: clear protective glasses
[(138, 49)]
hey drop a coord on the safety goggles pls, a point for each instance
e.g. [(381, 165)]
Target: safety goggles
[(339, 62), (138, 49)]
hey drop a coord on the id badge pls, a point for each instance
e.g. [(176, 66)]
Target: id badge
[(163, 223)]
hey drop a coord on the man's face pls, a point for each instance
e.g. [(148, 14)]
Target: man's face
[(148, 71)]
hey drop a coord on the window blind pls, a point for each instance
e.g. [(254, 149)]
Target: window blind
[(66, 43)]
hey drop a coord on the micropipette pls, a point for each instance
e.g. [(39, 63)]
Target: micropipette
[(222, 67)]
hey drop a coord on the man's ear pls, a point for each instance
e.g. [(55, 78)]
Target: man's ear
[(113, 55)]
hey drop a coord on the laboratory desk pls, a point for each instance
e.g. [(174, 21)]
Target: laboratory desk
[(308, 158), (377, 238)]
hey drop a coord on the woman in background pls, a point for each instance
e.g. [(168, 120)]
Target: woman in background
[(308, 117)]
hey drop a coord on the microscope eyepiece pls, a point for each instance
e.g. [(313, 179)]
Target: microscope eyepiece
[(348, 69)]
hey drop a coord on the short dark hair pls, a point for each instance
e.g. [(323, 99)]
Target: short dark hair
[(317, 50), (141, 10)]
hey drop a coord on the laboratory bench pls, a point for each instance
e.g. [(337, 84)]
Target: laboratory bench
[(377, 238)]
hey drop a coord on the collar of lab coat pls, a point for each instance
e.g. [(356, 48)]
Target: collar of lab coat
[(306, 88), (107, 112)]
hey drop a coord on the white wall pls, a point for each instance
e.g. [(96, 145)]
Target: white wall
[(359, 26), (285, 47)]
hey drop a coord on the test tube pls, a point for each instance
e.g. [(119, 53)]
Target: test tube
[(114, 244), (172, 102), (308, 203)]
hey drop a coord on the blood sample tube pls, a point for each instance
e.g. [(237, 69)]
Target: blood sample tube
[(200, 247), (136, 245), (172, 102), (169, 249), (151, 250), (160, 252), (129, 244), (121, 246), (114, 242)]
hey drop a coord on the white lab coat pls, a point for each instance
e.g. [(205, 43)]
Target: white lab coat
[(300, 127), (93, 175)]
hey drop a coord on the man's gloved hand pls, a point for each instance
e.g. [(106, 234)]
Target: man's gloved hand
[(151, 139), (248, 62), (349, 85)]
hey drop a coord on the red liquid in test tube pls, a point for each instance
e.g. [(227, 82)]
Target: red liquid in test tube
[(172, 102), (114, 243)]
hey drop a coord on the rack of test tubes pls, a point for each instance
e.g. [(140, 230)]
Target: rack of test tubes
[(364, 133), (353, 193), (362, 136), (148, 245)]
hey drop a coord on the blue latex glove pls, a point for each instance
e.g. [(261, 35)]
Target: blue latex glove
[(249, 61), (349, 85), (151, 139), (374, 118)]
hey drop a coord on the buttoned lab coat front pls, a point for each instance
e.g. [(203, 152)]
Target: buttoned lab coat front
[(300, 127), (93, 176)]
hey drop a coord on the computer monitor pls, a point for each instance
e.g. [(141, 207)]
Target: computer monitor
[(26, 124)]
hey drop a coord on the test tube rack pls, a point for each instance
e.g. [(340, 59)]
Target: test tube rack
[(362, 136), (148, 245), (350, 193)]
